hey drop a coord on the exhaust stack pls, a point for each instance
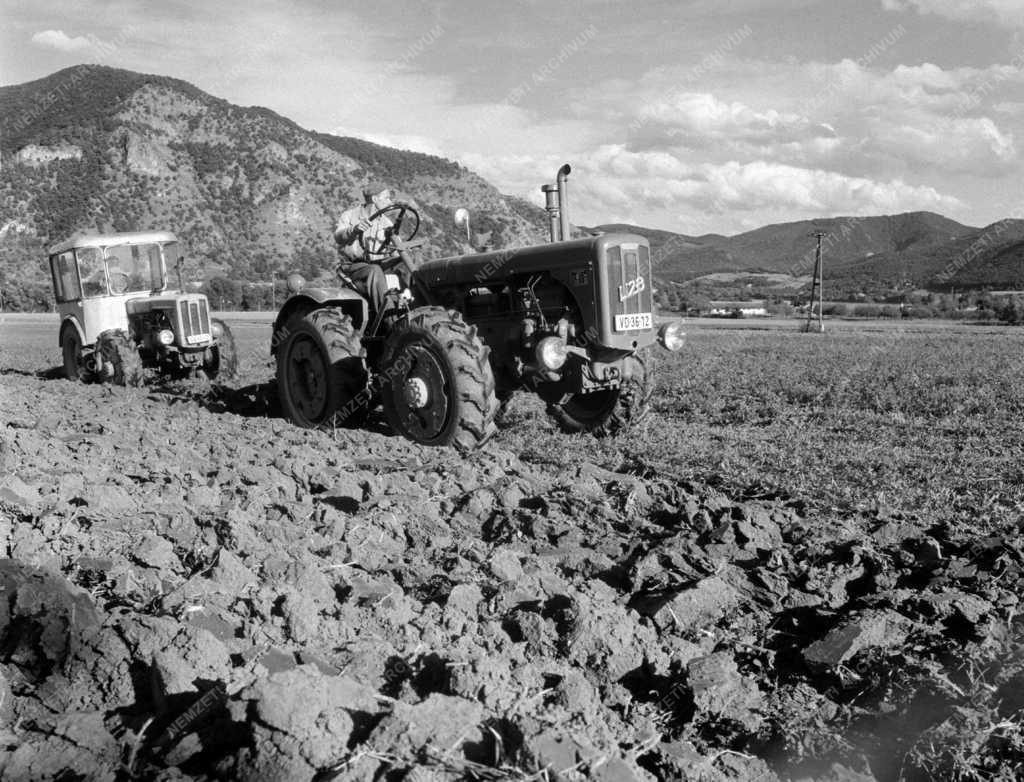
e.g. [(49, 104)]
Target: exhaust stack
[(565, 232), (556, 202), (551, 205)]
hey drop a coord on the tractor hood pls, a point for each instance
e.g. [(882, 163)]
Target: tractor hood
[(162, 301), (497, 265)]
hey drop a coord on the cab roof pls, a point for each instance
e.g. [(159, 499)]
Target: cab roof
[(109, 240)]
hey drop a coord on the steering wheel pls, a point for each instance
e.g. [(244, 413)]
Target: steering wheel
[(401, 217), (119, 281)]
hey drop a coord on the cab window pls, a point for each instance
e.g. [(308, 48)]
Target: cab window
[(129, 267), (65, 277), (90, 267), (171, 257)]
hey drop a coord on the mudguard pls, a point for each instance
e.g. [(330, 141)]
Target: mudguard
[(309, 299), (70, 322)]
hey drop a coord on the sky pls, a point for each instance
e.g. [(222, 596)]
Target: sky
[(695, 116)]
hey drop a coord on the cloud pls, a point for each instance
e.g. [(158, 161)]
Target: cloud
[(972, 144), (754, 142), (58, 39), (709, 116), (658, 188), (1010, 12), (913, 121)]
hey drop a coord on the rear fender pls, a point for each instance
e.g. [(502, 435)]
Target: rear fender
[(309, 299), (70, 322)]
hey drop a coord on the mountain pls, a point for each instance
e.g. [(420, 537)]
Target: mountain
[(678, 256), (992, 257), (251, 193), (872, 255)]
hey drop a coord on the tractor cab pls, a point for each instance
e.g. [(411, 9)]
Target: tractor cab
[(95, 276), (113, 296)]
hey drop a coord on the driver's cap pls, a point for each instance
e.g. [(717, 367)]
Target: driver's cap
[(373, 187)]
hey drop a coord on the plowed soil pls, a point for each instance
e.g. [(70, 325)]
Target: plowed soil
[(194, 588)]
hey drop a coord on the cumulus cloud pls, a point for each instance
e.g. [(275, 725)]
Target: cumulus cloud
[(913, 121), (971, 144), (58, 39), (765, 141), (1009, 12), (613, 183), (706, 115)]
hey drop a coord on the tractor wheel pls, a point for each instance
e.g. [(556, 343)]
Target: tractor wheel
[(78, 362), (120, 360), (612, 411), (221, 361), (438, 385), (321, 371)]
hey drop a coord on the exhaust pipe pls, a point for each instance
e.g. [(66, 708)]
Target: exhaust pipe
[(565, 232), (551, 205), (556, 203)]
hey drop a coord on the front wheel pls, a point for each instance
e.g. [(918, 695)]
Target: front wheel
[(610, 411), (321, 371), (438, 384), (78, 362), (221, 361), (119, 359)]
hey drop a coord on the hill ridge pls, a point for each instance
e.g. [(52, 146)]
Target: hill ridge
[(250, 192)]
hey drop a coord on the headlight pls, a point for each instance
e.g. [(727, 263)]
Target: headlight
[(671, 336), (551, 352), (165, 336), (215, 327), (296, 282)]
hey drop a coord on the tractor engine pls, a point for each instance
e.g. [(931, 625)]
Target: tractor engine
[(558, 317), (172, 328)]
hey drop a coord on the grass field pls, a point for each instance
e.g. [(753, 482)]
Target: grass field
[(924, 419)]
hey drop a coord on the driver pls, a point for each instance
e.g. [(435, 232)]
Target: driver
[(364, 269)]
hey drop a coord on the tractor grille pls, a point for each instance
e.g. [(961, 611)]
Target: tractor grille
[(195, 319), (629, 280)]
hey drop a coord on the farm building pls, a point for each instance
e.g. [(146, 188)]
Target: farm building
[(756, 308)]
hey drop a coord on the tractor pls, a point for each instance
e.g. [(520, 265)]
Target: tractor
[(117, 315), (570, 320)]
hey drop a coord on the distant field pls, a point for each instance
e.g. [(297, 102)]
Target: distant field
[(766, 278), (921, 417)]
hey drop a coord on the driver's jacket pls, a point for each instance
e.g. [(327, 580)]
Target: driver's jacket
[(347, 235)]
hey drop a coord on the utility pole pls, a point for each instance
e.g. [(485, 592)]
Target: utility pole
[(816, 285)]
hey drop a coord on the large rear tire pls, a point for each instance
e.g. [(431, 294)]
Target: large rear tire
[(120, 361), (321, 371), (438, 386), (609, 412), (79, 363), (221, 361)]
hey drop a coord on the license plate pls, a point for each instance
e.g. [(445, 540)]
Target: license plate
[(641, 320), (196, 339)]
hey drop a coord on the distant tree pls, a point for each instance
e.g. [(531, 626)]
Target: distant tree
[(224, 294), (781, 308), (1010, 310), (693, 301), (25, 296)]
